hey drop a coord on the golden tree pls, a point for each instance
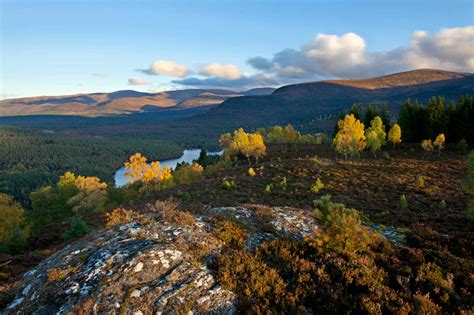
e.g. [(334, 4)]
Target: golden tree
[(439, 142), (350, 138), (137, 169), (250, 145), (11, 217), (427, 145), (373, 141), (375, 135), (395, 134)]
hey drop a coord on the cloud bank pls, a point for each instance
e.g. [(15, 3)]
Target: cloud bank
[(346, 56), (167, 67), (329, 56), (222, 71)]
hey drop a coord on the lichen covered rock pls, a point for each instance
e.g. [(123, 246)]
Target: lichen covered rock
[(148, 265)]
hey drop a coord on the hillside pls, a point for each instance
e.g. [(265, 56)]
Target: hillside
[(120, 102), (315, 105), (202, 247)]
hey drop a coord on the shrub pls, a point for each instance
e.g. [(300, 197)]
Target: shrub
[(170, 213), (318, 185), (228, 184), (462, 145), (251, 172), (259, 287), (420, 182), (230, 233), (269, 188), (403, 203), (188, 174), (119, 216), (283, 183), (77, 228), (427, 145), (12, 217), (15, 243), (442, 204)]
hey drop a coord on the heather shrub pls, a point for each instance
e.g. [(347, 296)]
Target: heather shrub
[(260, 289), (119, 216), (230, 233), (170, 213)]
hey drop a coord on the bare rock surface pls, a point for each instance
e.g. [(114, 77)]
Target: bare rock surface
[(147, 266)]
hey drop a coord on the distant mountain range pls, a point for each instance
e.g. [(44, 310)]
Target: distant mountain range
[(310, 107), (314, 103), (120, 102)]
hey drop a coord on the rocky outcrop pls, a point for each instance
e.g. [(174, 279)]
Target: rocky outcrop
[(148, 266)]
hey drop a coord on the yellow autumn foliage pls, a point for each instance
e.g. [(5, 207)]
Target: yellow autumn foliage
[(137, 169), (250, 145), (395, 134), (350, 138)]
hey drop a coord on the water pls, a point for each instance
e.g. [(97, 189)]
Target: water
[(188, 156)]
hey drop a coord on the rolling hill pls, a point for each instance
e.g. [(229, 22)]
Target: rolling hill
[(315, 105), (120, 102)]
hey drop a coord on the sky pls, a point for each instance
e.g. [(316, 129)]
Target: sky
[(69, 47)]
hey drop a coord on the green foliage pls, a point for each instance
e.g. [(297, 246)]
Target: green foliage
[(269, 188), (206, 159), (283, 183), (318, 185), (77, 228), (71, 195), (15, 242), (290, 135), (420, 182), (375, 135), (187, 173), (455, 120), (228, 184), (12, 217), (462, 145), (442, 204), (33, 159), (403, 203)]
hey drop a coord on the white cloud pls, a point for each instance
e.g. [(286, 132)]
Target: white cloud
[(450, 48), (222, 71), (167, 67), (345, 56), (137, 81)]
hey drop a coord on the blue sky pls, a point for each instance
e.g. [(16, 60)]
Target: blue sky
[(66, 47)]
